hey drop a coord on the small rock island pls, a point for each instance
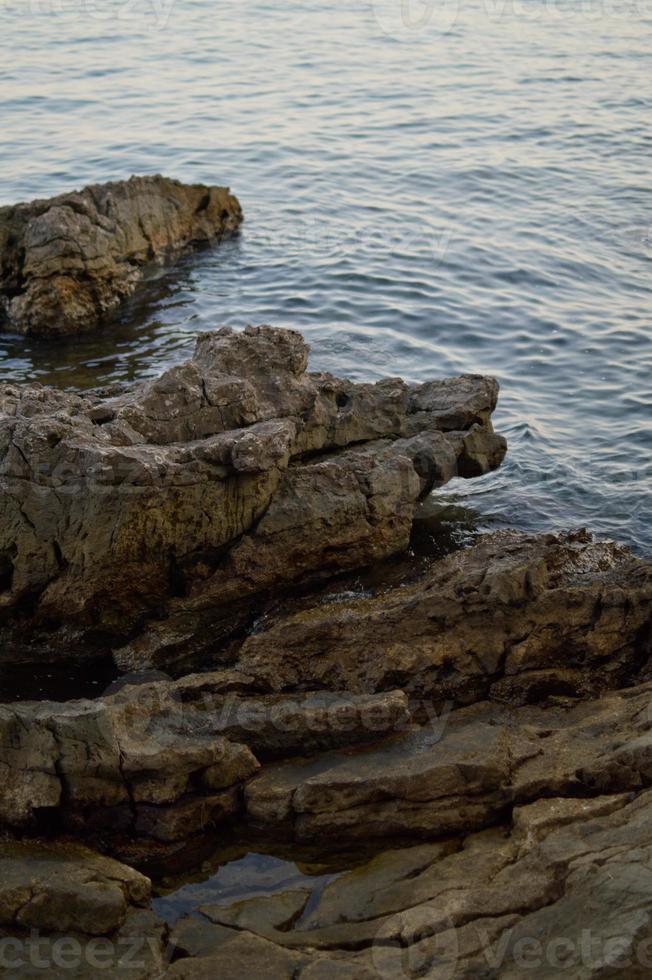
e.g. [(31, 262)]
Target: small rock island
[(67, 262)]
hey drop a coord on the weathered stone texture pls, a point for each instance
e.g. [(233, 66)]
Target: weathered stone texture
[(68, 261)]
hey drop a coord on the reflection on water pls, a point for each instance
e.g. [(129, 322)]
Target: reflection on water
[(250, 876), (250, 869), (471, 195)]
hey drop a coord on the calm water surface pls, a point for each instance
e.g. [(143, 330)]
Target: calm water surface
[(466, 188)]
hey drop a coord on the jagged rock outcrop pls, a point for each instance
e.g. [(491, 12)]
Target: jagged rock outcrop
[(536, 817), (569, 617), (516, 617), (68, 261), (157, 763), (149, 772), (151, 522), (161, 761), (496, 707)]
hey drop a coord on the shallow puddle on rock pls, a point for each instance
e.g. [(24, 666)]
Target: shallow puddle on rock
[(289, 887), (237, 874)]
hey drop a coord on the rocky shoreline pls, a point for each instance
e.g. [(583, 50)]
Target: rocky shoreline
[(485, 728)]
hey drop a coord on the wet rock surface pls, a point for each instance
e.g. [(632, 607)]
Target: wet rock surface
[(152, 522), (68, 261)]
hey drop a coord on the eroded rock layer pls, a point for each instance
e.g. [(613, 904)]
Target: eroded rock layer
[(149, 522), (163, 760), (539, 820), (68, 261), (500, 823), (462, 771), (516, 617)]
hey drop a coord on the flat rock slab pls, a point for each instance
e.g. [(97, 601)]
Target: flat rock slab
[(462, 772), (68, 261)]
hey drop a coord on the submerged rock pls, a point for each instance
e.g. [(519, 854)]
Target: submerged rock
[(154, 521), (68, 261)]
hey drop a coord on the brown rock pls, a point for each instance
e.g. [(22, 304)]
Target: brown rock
[(82, 756), (136, 951), (464, 774), (516, 617), (61, 887), (66, 262), (243, 956), (573, 897), (165, 760), (156, 525)]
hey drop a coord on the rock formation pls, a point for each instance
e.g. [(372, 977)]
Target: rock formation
[(68, 261), (550, 811), (158, 762), (485, 728), (516, 617), (150, 522), (68, 911), (561, 887), (66, 887), (463, 773)]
